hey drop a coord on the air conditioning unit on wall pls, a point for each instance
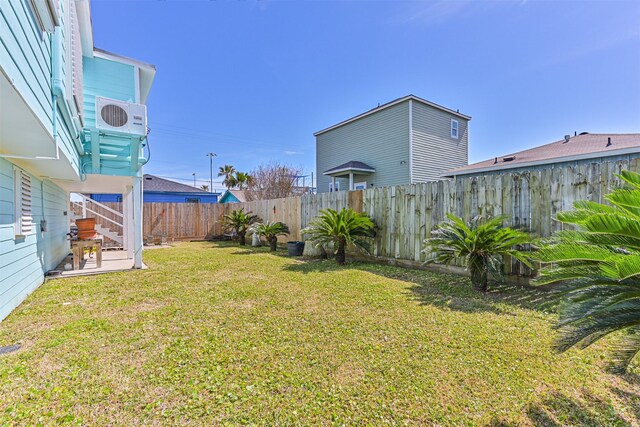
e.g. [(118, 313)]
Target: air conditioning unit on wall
[(121, 117)]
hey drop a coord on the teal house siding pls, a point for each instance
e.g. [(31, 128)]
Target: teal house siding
[(25, 58), (24, 261), (228, 197), (107, 79), (380, 140), (50, 74), (115, 80)]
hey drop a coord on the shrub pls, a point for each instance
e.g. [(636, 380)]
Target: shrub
[(270, 231), (480, 245), (343, 228), (239, 221), (598, 267)]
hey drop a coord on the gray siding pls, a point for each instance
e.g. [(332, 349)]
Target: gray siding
[(380, 140), (434, 151)]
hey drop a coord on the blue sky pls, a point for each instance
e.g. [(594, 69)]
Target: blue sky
[(252, 80)]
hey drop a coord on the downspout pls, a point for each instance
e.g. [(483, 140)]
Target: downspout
[(58, 89)]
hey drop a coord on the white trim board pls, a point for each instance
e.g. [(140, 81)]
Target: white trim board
[(391, 104), (333, 172)]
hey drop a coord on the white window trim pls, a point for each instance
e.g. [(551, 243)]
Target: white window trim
[(363, 184), (22, 203), (45, 13), (331, 190), (455, 128), (73, 64)]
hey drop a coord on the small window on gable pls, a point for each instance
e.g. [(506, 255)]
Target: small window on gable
[(454, 129), (23, 219)]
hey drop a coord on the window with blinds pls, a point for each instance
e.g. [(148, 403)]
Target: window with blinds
[(23, 208)]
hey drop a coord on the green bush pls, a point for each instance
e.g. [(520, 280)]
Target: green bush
[(239, 222), (480, 245), (597, 264), (270, 231), (341, 229)]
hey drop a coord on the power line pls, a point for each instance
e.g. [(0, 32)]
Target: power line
[(200, 133)]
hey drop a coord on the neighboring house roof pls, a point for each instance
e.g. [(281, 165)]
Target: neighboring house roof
[(352, 166), (583, 146), (239, 195), (157, 184), (391, 104)]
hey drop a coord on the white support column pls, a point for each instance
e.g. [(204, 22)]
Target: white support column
[(136, 222), (333, 183), (350, 181), (127, 228)]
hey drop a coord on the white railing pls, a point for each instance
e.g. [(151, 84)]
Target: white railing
[(105, 216), (84, 205)]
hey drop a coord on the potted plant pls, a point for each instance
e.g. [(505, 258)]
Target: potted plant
[(270, 231)]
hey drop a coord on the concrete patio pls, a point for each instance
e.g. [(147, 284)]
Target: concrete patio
[(112, 261)]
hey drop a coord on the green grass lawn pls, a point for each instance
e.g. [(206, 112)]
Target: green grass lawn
[(214, 334)]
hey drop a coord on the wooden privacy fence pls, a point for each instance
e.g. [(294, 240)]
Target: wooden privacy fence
[(406, 214)]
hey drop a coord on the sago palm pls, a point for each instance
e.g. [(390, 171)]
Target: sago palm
[(239, 221), (270, 231), (598, 266), (481, 245), (343, 228)]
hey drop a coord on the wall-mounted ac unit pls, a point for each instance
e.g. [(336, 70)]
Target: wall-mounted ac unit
[(121, 117)]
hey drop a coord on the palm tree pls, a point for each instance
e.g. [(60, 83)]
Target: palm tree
[(271, 231), (242, 180), (239, 221), (341, 228), (227, 172), (481, 245), (204, 187), (598, 267)]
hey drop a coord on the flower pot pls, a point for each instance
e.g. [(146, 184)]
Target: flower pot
[(87, 234), (295, 248), (86, 224)]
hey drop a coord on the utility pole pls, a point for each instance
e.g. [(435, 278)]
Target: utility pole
[(194, 179), (211, 156)]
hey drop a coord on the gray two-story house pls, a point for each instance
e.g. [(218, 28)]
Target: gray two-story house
[(404, 141)]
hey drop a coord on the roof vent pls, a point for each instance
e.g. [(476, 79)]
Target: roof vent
[(495, 161), (584, 133), (566, 138), (609, 144), (508, 158), (148, 178)]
